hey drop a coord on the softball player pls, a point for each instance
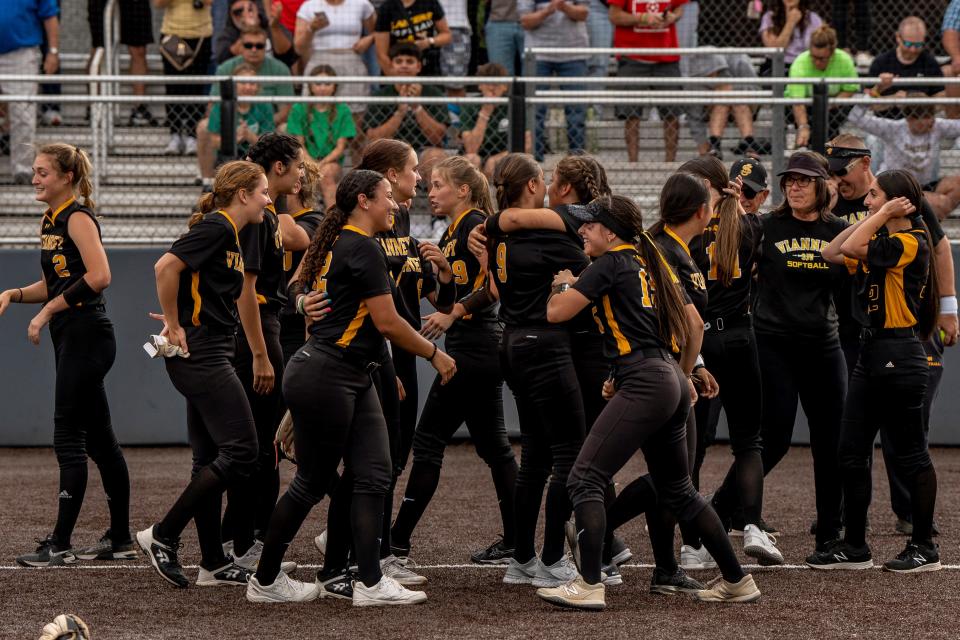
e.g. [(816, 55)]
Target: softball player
[(75, 273), (650, 407), (460, 193), (341, 418), (896, 285), (198, 283)]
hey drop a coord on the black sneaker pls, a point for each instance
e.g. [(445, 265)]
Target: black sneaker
[(837, 554), (620, 551), (496, 553), (229, 575), (336, 584), (141, 117), (49, 553), (107, 549), (665, 583), (163, 557), (915, 559)]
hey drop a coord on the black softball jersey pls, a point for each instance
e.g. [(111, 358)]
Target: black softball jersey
[(60, 259), (468, 274), (262, 246), (734, 300)]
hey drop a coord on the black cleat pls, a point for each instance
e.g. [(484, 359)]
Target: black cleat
[(107, 549), (496, 553), (915, 559), (620, 551), (49, 553), (610, 575), (163, 557), (838, 554), (229, 575), (336, 584), (669, 584)]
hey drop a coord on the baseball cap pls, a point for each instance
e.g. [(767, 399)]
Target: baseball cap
[(840, 157), (751, 171), (805, 165)]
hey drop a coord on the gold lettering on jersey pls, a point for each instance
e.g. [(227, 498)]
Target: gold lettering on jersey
[(450, 249), (796, 245), (235, 261), (698, 280), (51, 243), (855, 216), (412, 265), (278, 239), (395, 246)]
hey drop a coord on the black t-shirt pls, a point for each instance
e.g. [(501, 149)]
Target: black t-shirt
[(413, 280), (677, 255), (353, 270), (890, 284), (396, 19), (523, 264), (926, 66), (620, 286), (409, 130), (308, 220), (734, 300), (213, 279), (60, 258), (468, 275), (262, 246), (796, 283)]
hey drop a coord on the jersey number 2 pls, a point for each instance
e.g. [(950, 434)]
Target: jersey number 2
[(320, 284), (60, 265)]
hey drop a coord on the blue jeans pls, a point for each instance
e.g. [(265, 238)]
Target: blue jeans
[(505, 44), (600, 30), (576, 115)]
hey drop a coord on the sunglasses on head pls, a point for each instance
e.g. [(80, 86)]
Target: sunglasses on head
[(255, 45), (847, 169)]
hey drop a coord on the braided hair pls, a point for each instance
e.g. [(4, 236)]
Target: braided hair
[(274, 147), (584, 174)]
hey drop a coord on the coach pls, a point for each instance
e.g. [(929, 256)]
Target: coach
[(22, 23)]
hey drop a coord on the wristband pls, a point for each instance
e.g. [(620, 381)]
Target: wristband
[(300, 302), (699, 361), (20, 299), (560, 288), (447, 294), (78, 293), (803, 126), (434, 354), (948, 305)]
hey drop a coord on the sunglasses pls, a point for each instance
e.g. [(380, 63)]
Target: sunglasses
[(912, 44), (255, 45), (847, 169), (748, 193), (796, 179)]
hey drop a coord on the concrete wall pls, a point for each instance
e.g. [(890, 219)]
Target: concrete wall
[(147, 410)]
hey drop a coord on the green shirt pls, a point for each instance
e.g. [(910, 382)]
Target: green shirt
[(270, 67), (840, 66), (496, 137), (259, 120), (409, 130), (319, 134)]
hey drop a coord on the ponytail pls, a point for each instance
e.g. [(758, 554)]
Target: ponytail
[(231, 177), (584, 174), (457, 170), (511, 175), (727, 208), (670, 305), (930, 294), (71, 159)]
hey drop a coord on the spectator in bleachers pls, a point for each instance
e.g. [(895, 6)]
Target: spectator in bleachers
[(861, 15), (185, 47), (707, 124), (950, 32), (910, 59), (323, 129), (421, 22), (504, 35), (913, 144), (331, 32), (789, 25), (455, 57), (822, 60), (136, 31), (23, 24), (648, 24), (600, 32), (423, 127), (558, 23), (244, 14), (486, 128), (252, 120)]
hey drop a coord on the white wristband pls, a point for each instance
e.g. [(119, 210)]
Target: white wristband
[(699, 362), (948, 305)]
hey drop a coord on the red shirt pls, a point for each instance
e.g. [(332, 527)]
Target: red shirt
[(288, 17), (647, 37)]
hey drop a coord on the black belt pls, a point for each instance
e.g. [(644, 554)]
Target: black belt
[(728, 322), (367, 366), (886, 334), (643, 354)]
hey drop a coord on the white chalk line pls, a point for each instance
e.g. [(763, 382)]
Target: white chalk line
[(425, 567)]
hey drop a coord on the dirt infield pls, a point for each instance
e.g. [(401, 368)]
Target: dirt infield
[(132, 602)]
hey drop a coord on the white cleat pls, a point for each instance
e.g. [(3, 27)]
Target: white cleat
[(392, 568), (695, 559), (760, 545)]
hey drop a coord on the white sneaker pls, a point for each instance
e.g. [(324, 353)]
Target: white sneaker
[(392, 568), (518, 573), (175, 146), (52, 118), (227, 548), (559, 573), (251, 559), (189, 146), (695, 559), (760, 545), (283, 589), (321, 542), (386, 592)]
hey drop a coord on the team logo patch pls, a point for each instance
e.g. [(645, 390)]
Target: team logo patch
[(746, 170)]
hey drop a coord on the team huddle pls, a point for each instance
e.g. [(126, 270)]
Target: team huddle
[(284, 323)]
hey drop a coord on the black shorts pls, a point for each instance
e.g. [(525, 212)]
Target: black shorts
[(136, 22)]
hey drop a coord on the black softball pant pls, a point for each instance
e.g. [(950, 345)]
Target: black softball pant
[(84, 349), (222, 434), (336, 416), (648, 412), (293, 335), (887, 391), (474, 396), (250, 504), (405, 366), (731, 356), (813, 372), (537, 364)]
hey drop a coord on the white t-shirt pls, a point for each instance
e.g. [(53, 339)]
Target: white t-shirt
[(455, 11), (346, 22)]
